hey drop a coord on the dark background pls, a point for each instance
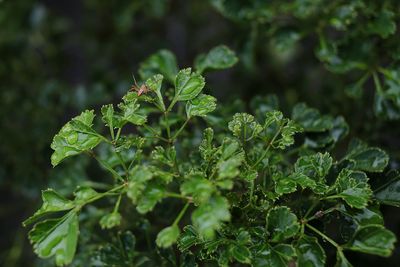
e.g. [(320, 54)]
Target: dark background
[(60, 57)]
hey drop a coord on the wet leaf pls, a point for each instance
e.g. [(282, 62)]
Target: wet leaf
[(188, 85), (75, 137), (220, 57), (244, 127), (373, 239), (277, 256), (371, 159), (201, 105), (163, 62), (110, 220), (52, 202), (389, 191), (209, 216), (353, 187), (56, 237), (167, 236), (282, 224), (309, 252)]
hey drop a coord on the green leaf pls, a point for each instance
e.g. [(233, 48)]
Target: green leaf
[(163, 176), (314, 167), (121, 252), (340, 129), (276, 126), (198, 187), (220, 57), (249, 174), (383, 24), (163, 62), (110, 220), (130, 110), (282, 224), (284, 184), (305, 181), (284, 43), (387, 102), (309, 252), (209, 216), (83, 194), (165, 156), (244, 127), (107, 112), (75, 137), (328, 53), (370, 159), (287, 134), (125, 143), (243, 237), (137, 182), (56, 237), (272, 117), (389, 192), (187, 238), (52, 202), (155, 83), (353, 187), (231, 158), (240, 253), (373, 239), (206, 148), (150, 196), (188, 85), (310, 119), (168, 236), (386, 105), (263, 104), (278, 256), (365, 216), (223, 258), (201, 105)]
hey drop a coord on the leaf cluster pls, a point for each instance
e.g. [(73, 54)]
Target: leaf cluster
[(256, 191)]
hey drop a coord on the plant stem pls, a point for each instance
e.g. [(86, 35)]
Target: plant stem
[(251, 191), (180, 215), (311, 208), (133, 161), (324, 212), (333, 243), (117, 204), (268, 147), (101, 195), (332, 197), (96, 185), (118, 134), (167, 126), (180, 129), (155, 133), (106, 166), (121, 161), (377, 82), (171, 105), (112, 132), (175, 195)]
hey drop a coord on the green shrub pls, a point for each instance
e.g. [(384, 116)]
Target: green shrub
[(192, 183)]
